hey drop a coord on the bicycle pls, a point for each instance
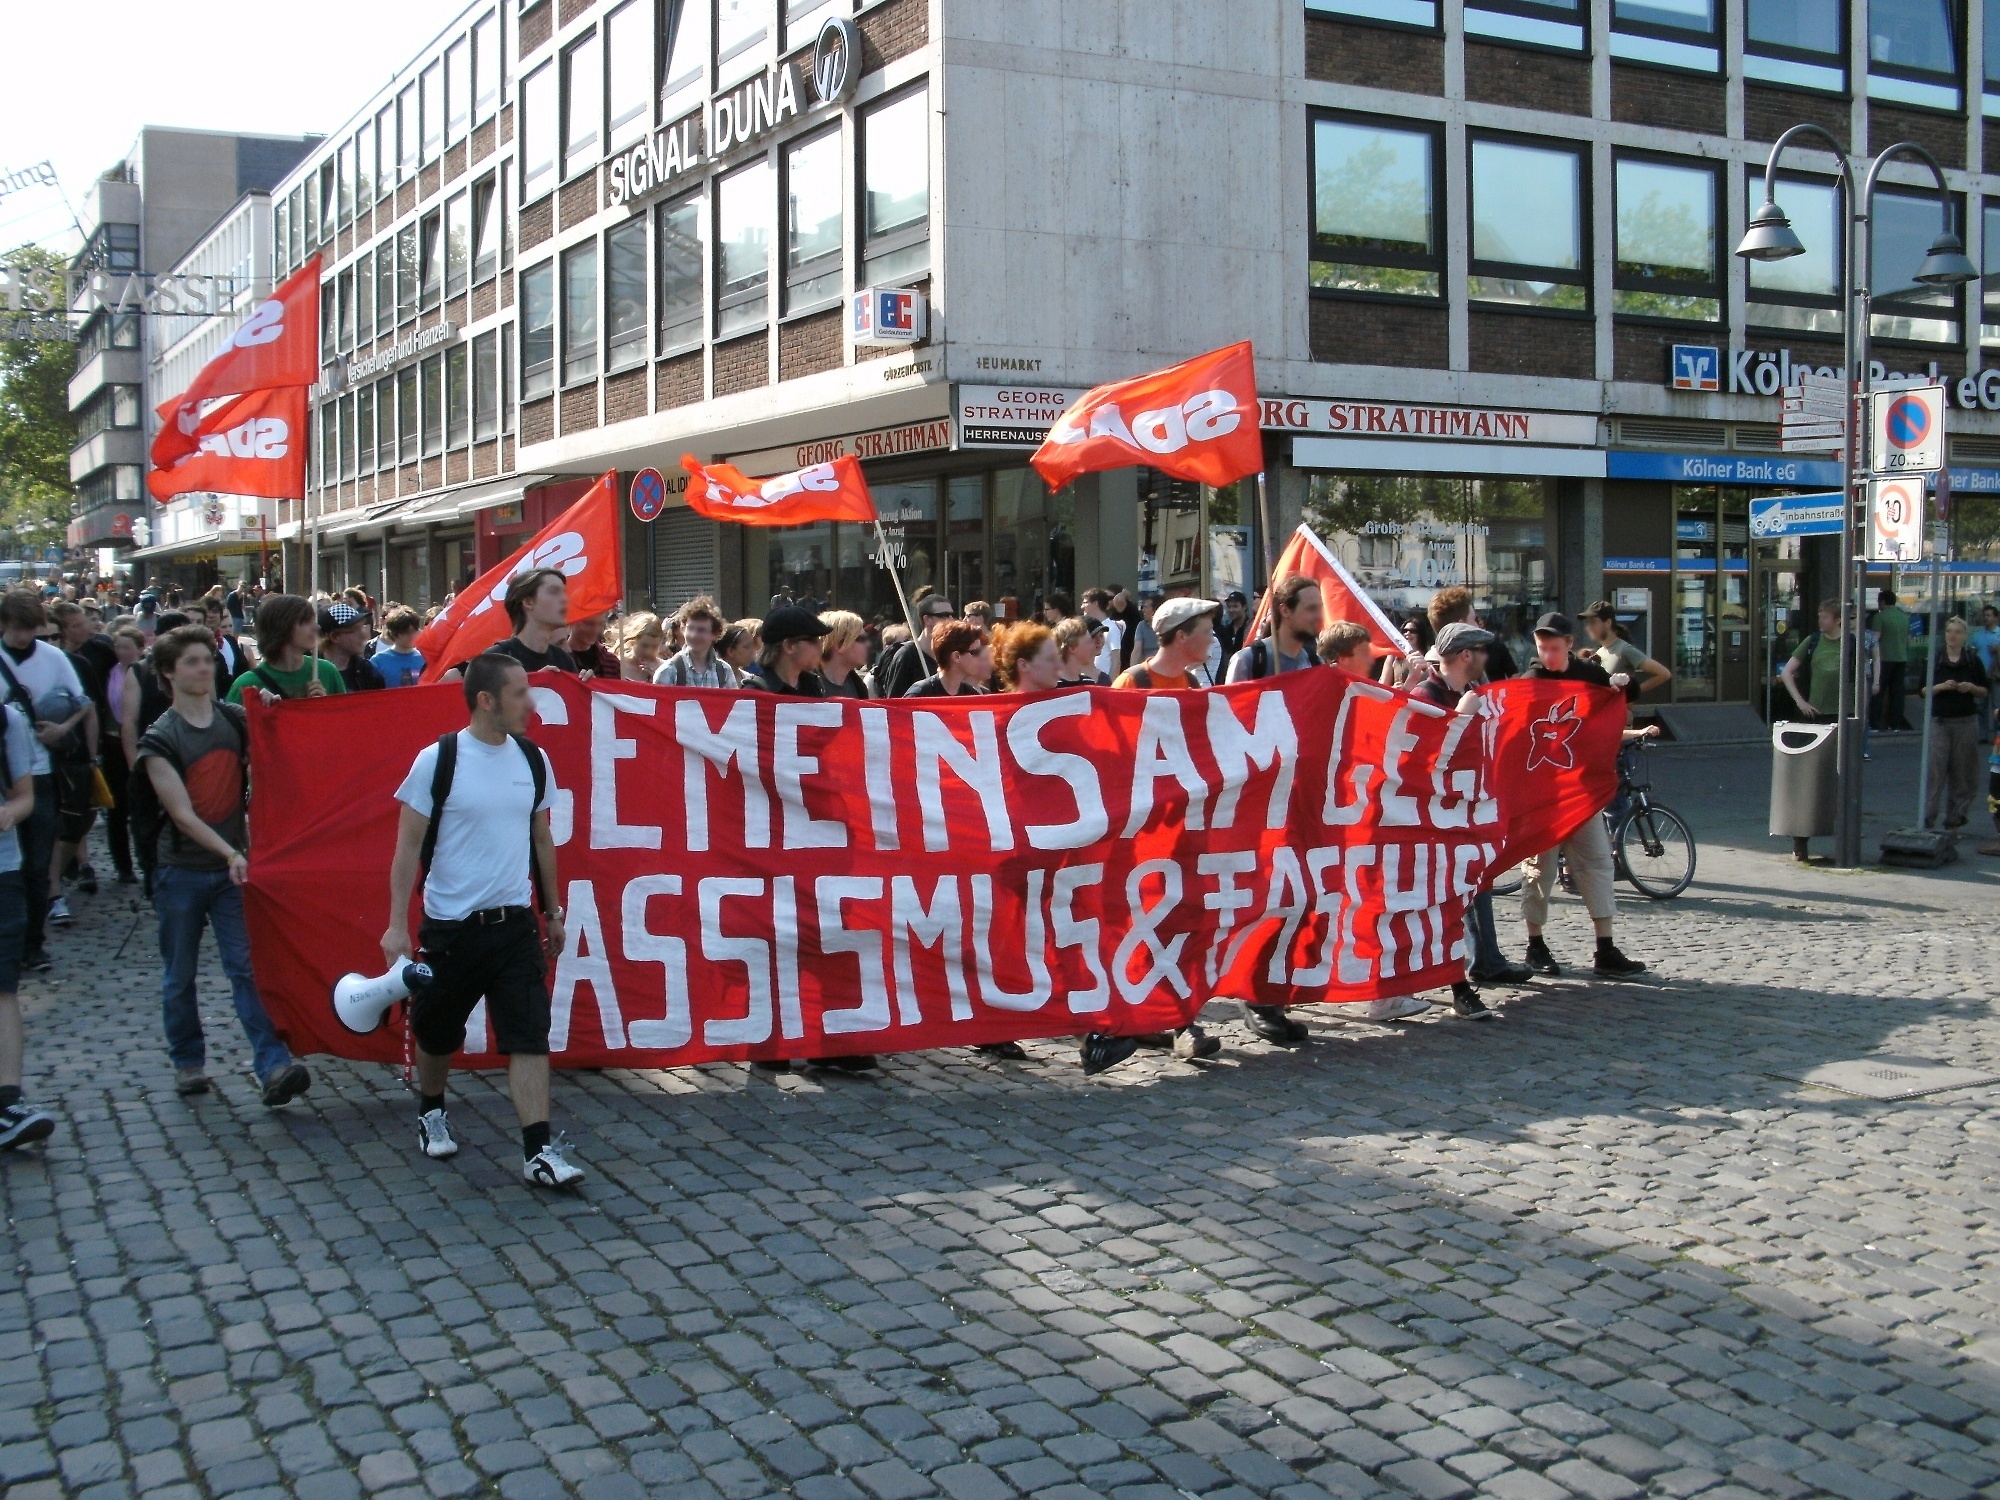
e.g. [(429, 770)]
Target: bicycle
[(1652, 846)]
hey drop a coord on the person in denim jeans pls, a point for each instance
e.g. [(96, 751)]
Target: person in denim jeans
[(195, 757)]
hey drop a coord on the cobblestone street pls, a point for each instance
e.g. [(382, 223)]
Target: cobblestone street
[(1606, 1247)]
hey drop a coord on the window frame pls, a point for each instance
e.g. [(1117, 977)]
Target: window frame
[(485, 193), (385, 272), (485, 34), (726, 301), (457, 83), (459, 248), (457, 395), (1923, 88), (1517, 271), (364, 428), (385, 423), (430, 106), (1381, 13), (430, 260), (648, 11), (571, 356), (430, 373), (409, 415), (827, 262), (1680, 49), (540, 96), (1754, 296), (409, 134), (364, 296), (1717, 289), (571, 163), (1435, 262), (1535, 25), (626, 350), (663, 344), (871, 250), (732, 67), (537, 375), (485, 386)]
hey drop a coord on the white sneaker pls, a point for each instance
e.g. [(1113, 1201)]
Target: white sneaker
[(434, 1135), (1400, 1008), (59, 912), (551, 1167)]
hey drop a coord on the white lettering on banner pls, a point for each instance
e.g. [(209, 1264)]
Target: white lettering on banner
[(753, 953), (1080, 933), (789, 768), (1344, 417), (1034, 946), (733, 743), (259, 437), (675, 1028), (584, 960), (1201, 418), (871, 1011), (936, 925), (606, 750), (563, 552)]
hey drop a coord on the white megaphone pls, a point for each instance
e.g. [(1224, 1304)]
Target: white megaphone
[(361, 1003)]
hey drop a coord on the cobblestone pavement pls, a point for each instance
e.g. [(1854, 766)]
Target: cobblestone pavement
[(1603, 1248)]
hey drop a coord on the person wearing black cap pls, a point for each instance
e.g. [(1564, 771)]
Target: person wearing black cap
[(1235, 620), (789, 660), (1588, 850), (343, 630)]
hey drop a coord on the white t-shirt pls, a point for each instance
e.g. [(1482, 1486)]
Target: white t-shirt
[(46, 670), (483, 851), (21, 747), (1107, 651)]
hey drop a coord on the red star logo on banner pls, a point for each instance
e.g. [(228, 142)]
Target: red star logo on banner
[(1549, 737)]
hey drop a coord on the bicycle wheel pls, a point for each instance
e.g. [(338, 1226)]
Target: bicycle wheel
[(1656, 849)]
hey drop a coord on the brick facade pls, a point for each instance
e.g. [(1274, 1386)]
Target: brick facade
[(538, 420), (579, 408), (742, 364), (538, 223), (1643, 352), (578, 200), (1768, 113), (892, 31), (482, 141), (1674, 101), (1374, 56), (536, 27), (1527, 80), (1378, 333), (1506, 343), (625, 396), (1941, 135), (677, 381), (808, 345), (571, 9)]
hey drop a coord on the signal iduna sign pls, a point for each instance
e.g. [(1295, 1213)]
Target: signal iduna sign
[(1908, 430), (1896, 520)]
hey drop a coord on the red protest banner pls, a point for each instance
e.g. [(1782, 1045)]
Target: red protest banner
[(1344, 598), (253, 444), (1194, 420), (748, 875), (835, 491), (584, 544), (275, 348)]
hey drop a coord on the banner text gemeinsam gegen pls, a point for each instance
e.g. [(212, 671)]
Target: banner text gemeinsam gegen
[(748, 875)]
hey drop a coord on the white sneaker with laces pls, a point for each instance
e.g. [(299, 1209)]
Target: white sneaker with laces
[(1397, 1008), (59, 912), (434, 1135), (551, 1167)]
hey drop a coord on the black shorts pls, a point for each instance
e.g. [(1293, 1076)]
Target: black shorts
[(501, 962), (75, 786)]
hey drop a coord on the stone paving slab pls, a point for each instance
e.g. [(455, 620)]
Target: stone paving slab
[(1604, 1248)]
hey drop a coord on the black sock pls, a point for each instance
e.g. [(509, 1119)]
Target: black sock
[(533, 1138), (428, 1102), (1604, 943), (10, 1095)]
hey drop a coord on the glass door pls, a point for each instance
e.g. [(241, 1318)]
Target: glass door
[(1735, 648), (1781, 624), (1694, 624)]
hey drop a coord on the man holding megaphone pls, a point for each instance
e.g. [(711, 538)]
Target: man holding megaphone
[(475, 826)]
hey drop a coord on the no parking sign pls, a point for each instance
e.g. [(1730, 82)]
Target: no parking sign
[(649, 494), (1909, 430)]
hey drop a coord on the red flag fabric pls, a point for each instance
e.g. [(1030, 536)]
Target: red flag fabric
[(1194, 420), (246, 445), (835, 491), (750, 875), (276, 347), (1344, 598), (584, 543)]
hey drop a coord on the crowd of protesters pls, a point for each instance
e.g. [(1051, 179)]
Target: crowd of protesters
[(137, 714)]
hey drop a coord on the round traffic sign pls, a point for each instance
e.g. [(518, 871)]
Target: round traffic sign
[(1908, 422), (649, 494)]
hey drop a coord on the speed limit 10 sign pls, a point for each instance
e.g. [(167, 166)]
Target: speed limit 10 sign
[(1908, 430), (1896, 520)]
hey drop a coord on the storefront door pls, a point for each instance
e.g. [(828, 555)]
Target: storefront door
[(1780, 624)]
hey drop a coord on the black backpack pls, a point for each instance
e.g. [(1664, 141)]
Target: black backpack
[(1261, 659), (441, 778), (146, 817)]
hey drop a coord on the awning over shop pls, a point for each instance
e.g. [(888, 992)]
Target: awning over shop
[(452, 505), (216, 544), (368, 516)]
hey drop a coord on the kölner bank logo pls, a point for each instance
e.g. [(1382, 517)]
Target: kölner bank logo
[(836, 58), (1697, 367)]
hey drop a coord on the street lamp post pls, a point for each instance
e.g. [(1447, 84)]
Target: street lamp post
[(1770, 237)]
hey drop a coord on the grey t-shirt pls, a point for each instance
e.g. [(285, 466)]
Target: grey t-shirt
[(1243, 665), (211, 762), (21, 744)]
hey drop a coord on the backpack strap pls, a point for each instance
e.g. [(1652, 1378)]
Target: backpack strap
[(441, 774), (1141, 677), (15, 692), (1260, 657), (267, 679)]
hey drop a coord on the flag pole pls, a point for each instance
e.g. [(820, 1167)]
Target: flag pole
[(882, 552)]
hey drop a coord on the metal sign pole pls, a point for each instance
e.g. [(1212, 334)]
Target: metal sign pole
[(1930, 693)]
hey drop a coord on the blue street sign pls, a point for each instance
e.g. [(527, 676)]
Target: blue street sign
[(1797, 515)]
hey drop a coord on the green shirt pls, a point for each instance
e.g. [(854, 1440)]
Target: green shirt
[(292, 684), (1823, 685), (1894, 624)]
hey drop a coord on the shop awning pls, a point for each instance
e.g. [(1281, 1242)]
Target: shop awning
[(371, 515), (215, 544), (451, 505)]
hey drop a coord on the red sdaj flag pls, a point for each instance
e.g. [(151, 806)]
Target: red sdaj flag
[(833, 491), (1194, 420), (275, 348), (583, 544), (1344, 598), (252, 444)]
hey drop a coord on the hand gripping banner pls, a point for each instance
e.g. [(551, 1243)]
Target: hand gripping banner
[(748, 875)]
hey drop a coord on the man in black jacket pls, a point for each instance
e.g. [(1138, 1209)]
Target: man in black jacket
[(910, 663)]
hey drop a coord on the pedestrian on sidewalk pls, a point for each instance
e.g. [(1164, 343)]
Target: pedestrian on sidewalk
[(1957, 689), (1812, 675), (38, 677), (699, 662), (474, 826), (287, 637), (1290, 645), (1888, 713), (343, 632), (20, 1121), (196, 760)]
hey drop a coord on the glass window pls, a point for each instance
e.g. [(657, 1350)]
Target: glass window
[(625, 296), (281, 234), (1901, 234), (538, 330), (739, 28), (385, 422), (506, 377), (538, 132), (124, 406), (1374, 209), (485, 68), (430, 269), (896, 188), (680, 241), (1918, 35), (406, 134), (406, 273), (506, 218), (687, 57), (430, 98), (628, 63), (364, 167), (1992, 70), (579, 313), (458, 396), (485, 229), (344, 178), (583, 105), (1673, 33), (364, 298), (457, 91), (1666, 241), (433, 384), (743, 214), (329, 313), (1989, 322), (364, 429), (343, 288), (812, 222), (406, 413), (457, 243), (1802, 292), (1527, 225), (345, 407), (385, 287), (1418, 13), (298, 227), (311, 189), (329, 200), (1551, 23), (485, 387), (385, 150)]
